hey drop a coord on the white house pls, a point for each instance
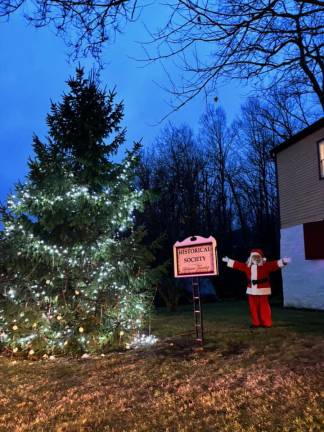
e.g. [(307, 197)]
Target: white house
[(300, 171)]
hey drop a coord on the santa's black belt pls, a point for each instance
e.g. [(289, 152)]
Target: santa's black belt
[(258, 281)]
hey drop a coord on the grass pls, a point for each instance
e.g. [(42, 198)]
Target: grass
[(264, 380)]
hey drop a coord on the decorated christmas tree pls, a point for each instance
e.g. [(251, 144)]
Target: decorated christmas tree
[(74, 275)]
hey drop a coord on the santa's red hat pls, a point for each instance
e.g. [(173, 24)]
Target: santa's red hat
[(257, 251)]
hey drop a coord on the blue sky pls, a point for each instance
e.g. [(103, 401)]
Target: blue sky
[(33, 71)]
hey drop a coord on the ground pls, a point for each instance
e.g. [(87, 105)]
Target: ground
[(264, 380)]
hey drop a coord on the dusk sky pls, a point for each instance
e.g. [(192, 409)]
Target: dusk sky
[(34, 68)]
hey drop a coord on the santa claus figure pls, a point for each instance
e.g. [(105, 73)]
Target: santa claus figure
[(257, 271)]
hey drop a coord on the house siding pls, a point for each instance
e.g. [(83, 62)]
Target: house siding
[(301, 189)]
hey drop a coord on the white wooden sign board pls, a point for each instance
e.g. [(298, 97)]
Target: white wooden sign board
[(195, 256)]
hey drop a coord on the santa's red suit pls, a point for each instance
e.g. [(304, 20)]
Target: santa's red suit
[(258, 288)]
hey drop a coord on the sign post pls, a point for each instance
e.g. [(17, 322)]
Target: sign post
[(194, 257), (198, 315)]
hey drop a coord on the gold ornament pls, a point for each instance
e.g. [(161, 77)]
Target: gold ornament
[(15, 327), (81, 329)]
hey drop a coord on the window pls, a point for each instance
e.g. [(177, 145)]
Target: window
[(314, 240), (321, 157)]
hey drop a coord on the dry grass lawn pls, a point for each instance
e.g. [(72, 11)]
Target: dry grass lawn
[(262, 380)]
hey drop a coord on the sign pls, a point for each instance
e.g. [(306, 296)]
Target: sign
[(195, 256)]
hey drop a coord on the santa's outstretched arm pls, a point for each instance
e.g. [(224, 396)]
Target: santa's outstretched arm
[(236, 265), (280, 263)]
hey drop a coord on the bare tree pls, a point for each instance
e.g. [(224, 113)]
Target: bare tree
[(223, 183), (277, 41), (283, 112), (84, 24), (258, 180), (260, 41), (215, 140)]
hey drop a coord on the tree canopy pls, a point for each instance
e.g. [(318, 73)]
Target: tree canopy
[(267, 42), (85, 25)]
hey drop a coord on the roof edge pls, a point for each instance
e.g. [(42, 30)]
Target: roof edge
[(299, 136)]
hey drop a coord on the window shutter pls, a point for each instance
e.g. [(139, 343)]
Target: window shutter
[(314, 240)]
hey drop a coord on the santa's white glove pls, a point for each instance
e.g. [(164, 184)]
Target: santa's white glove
[(286, 260), (225, 259)]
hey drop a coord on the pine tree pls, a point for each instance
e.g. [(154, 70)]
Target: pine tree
[(74, 274)]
